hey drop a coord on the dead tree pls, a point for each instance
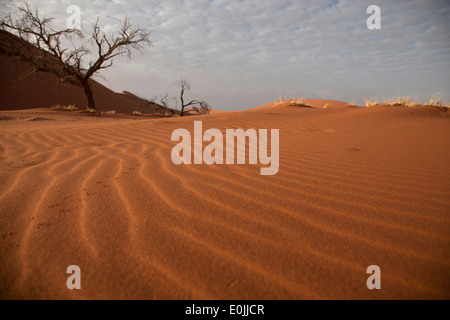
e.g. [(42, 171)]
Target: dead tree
[(47, 52), (162, 104), (202, 105)]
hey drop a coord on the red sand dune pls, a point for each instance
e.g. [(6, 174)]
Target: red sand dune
[(44, 90), (356, 187)]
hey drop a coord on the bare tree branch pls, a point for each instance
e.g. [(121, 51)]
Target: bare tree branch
[(47, 52), (202, 108)]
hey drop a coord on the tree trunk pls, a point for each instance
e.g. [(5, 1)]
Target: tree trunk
[(182, 101), (88, 92)]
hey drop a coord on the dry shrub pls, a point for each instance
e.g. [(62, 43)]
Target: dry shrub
[(393, 102), (109, 112), (281, 101), (70, 107)]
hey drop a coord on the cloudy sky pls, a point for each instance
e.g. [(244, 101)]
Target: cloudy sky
[(243, 53)]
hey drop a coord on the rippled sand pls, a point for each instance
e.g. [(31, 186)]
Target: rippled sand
[(356, 187)]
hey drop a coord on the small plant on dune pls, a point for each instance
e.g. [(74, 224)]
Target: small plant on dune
[(402, 102), (109, 112), (90, 110), (436, 102), (70, 107), (439, 102), (353, 103), (327, 106), (136, 113), (298, 103), (370, 103), (166, 114), (281, 101), (393, 102)]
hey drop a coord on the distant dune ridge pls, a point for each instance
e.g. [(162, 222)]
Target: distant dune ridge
[(316, 103), (356, 187)]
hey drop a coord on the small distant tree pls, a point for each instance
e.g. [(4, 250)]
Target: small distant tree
[(67, 63), (202, 106), (161, 101)]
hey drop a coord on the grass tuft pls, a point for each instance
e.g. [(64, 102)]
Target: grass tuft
[(300, 102), (70, 107), (393, 102), (109, 112)]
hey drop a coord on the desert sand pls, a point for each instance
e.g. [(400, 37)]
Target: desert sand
[(356, 187)]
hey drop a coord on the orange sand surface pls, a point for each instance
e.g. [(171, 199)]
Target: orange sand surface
[(356, 187)]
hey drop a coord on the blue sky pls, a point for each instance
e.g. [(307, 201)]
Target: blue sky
[(244, 53)]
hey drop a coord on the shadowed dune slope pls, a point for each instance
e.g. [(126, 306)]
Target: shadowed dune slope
[(18, 91), (356, 187)]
